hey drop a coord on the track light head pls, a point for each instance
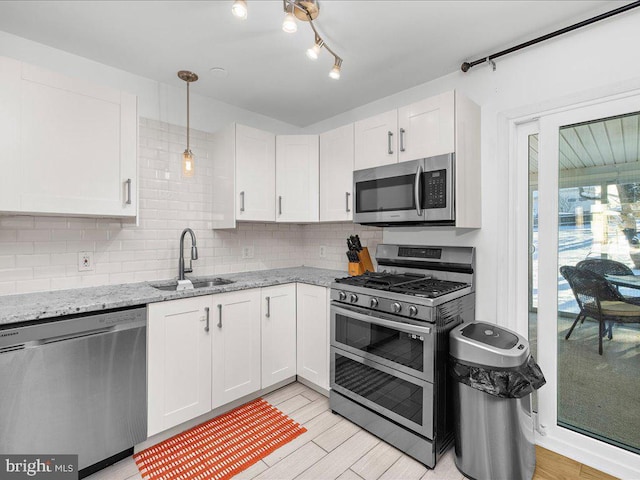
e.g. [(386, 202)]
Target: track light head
[(314, 51), (289, 24), (335, 71), (239, 9)]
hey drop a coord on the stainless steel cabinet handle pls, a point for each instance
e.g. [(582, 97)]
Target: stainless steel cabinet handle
[(206, 311), (389, 138), (416, 190), (128, 182), (280, 205), (242, 201), (402, 130), (219, 315), (268, 314), (348, 193)]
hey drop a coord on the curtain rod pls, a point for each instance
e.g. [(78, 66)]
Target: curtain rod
[(467, 65)]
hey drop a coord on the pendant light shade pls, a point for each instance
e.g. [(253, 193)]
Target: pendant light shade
[(188, 165)]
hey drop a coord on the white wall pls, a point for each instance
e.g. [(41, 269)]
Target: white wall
[(584, 64), (156, 101)]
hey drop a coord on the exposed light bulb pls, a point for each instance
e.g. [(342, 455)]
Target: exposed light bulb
[(314, 51), (187, 164), (289, 24), (335, 71), (239, 9)]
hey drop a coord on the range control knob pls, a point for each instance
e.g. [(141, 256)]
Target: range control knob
[(413, 311), (353, 298), (396, 307), (373, 302), (342, 296)]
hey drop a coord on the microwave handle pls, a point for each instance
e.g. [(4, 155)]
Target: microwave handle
[(416, 190)]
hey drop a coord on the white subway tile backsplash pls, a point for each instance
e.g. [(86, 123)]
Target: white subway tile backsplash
[(41, 253)]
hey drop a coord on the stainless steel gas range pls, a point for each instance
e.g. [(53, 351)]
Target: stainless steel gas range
[(389, 344)]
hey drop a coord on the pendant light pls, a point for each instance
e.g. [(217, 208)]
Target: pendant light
[(239, 9), (188, 166)]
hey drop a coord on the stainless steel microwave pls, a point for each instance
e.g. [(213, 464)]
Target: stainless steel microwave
[(415, 192)]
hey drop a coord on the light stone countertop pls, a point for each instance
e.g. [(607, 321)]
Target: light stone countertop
[(34, 306)]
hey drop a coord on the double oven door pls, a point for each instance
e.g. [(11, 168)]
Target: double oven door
[(385, 363)]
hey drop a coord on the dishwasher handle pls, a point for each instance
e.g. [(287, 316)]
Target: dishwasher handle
[(69, 327)]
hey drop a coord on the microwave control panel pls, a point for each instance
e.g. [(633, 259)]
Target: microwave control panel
[(435, 189)]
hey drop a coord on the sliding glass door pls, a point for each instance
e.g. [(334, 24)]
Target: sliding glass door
[(583, 201)]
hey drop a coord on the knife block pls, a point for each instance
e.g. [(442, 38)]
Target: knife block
[(355, 269), (365, 260)]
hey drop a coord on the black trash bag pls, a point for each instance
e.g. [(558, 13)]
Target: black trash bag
[(500, 382)]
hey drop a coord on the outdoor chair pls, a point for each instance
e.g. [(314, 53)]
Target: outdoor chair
[(600, 300), (605, 266)]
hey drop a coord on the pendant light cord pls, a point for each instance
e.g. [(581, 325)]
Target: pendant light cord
[(188, 149)]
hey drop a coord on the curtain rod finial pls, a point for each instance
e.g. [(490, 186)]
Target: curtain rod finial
[(465, 66)]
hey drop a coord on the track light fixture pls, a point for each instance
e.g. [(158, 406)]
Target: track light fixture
[(303, 10)]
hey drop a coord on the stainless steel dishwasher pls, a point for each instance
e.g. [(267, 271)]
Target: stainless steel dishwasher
[(75, 385)]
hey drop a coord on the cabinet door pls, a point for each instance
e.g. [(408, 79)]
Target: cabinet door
[(236, 345), (278, 333), (336, 174), (179, 362), (375, 140), (427, 128), (297, 178), (78, 147), (313, 334), (10, 87), (255, 174)]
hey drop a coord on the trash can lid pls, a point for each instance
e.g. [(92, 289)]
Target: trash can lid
[(489, 345)]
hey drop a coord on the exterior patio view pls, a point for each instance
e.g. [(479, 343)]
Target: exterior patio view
[(598, 215)]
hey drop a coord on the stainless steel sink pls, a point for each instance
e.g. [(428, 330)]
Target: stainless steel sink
[(214, 282)]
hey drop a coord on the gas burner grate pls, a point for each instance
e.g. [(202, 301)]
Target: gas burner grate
[(428, 288)]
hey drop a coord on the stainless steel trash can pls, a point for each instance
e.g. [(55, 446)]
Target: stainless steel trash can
[(494, 437)]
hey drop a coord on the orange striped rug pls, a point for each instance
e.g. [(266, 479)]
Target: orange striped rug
[(221, 447)]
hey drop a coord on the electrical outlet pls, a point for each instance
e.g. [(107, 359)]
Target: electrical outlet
[(85, 261), (247, 252), (323, 251)]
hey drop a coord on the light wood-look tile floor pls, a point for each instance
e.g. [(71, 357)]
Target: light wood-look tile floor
[(334, 448)]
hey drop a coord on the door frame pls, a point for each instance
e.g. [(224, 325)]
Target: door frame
[(514, 128)]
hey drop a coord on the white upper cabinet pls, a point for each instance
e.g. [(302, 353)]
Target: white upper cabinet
[(68, 147), (244, 170), (297, 178), (179, 362), (278, 333), (255, 174), (422, 129), (376, 140), (235, 331), (336, 174), (426, 128)]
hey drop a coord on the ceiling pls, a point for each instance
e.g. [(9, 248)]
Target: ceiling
[(387, 46)]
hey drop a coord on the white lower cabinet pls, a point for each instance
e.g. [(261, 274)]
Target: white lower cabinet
[(178, 362), (235, 329), (204, 352), (278, 333), (313, 334)]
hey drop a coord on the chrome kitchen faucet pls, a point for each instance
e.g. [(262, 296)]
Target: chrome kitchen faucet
[(194, 256)]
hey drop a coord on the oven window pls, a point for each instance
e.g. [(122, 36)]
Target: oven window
[(388, 343), (386, 194), (392, 393)]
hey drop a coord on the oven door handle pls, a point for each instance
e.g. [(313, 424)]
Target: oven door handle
[(396, 325), (416, 190)]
